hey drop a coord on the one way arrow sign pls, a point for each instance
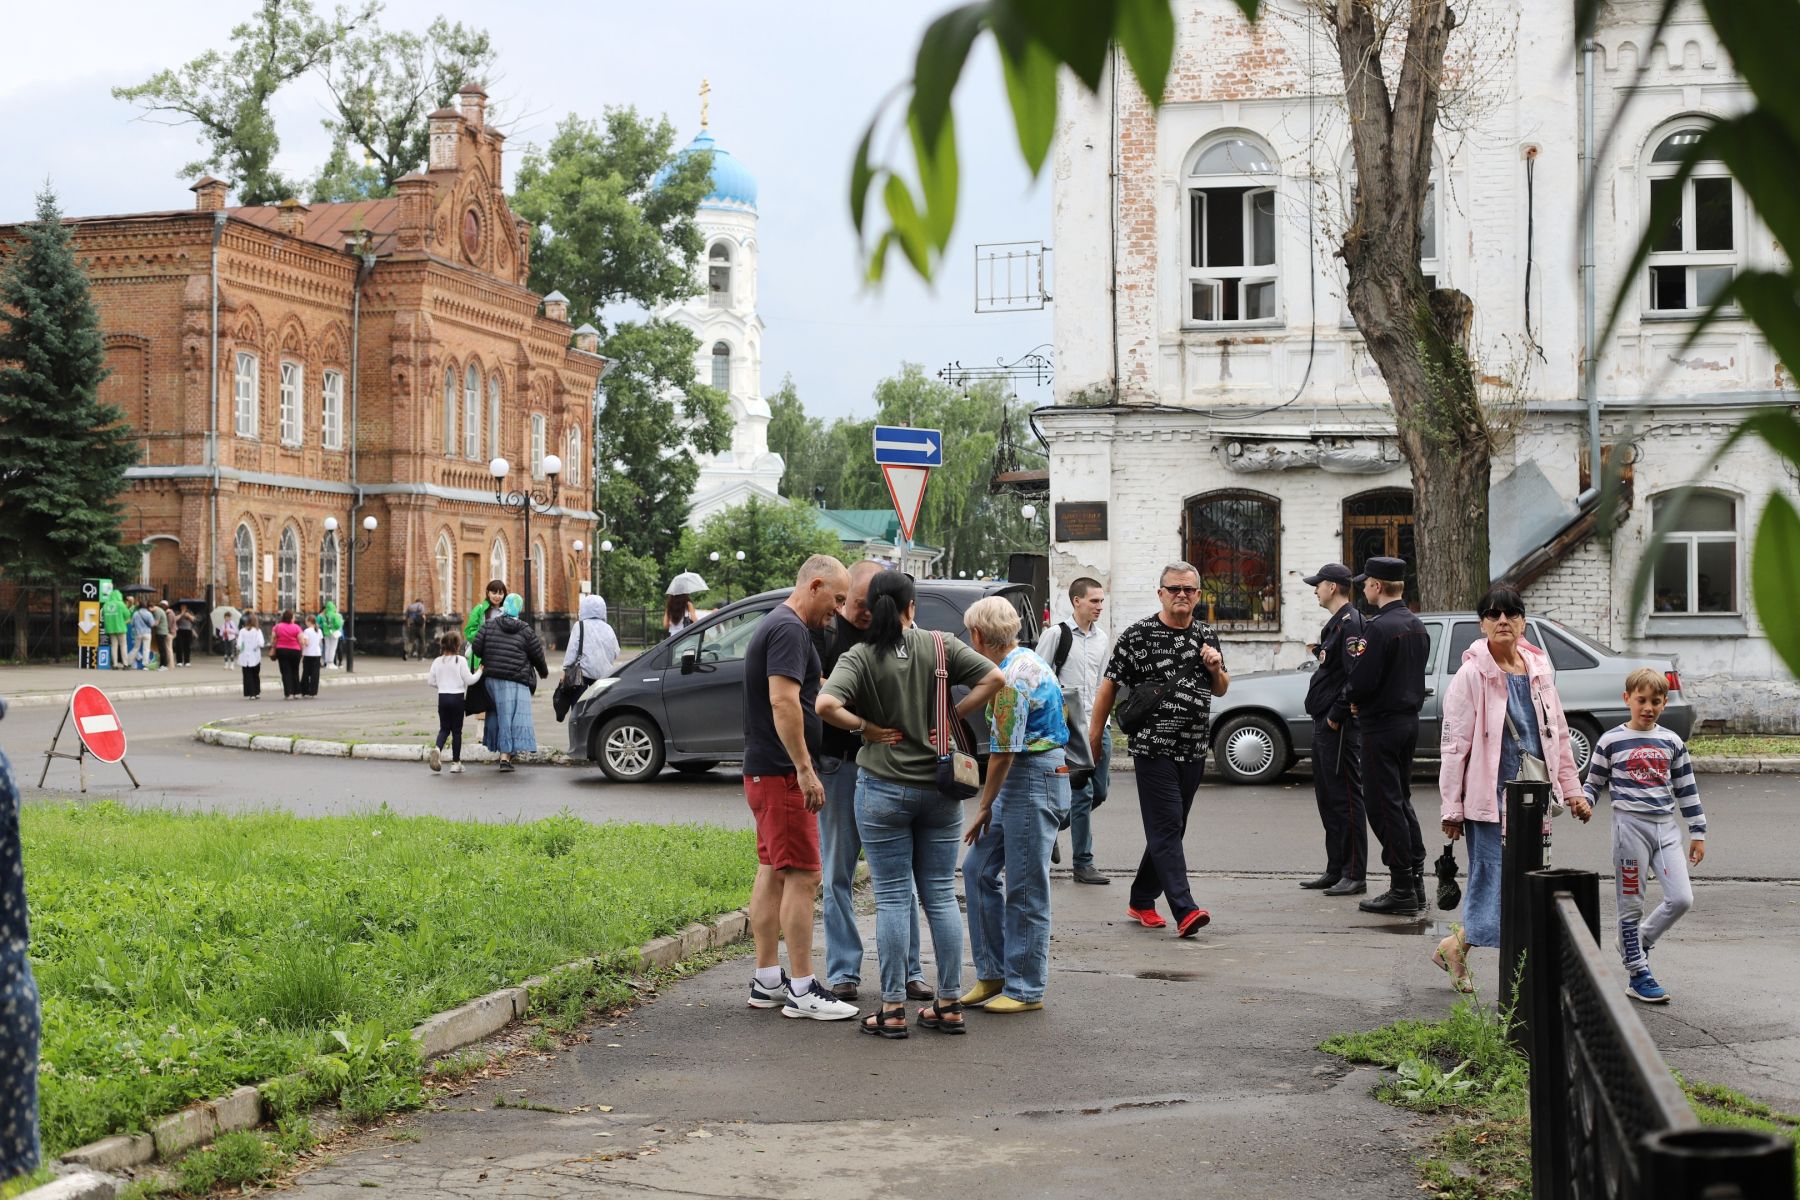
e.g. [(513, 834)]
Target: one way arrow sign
[(897, 445)]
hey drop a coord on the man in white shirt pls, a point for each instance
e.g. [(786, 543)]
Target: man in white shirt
[(1078, 651)]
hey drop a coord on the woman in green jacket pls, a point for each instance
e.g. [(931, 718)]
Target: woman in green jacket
[(478, 616), (113, 619), (331, 625)]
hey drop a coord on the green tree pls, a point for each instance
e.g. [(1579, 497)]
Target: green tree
[(799, 439), (228, 94), (775, 539), (384, 86), (63, 453)]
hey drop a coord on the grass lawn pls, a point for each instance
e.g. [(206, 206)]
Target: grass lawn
[(1748, 745), (1463, 1067), (180, 955)]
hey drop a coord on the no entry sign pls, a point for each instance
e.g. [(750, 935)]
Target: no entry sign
[(97, 723)]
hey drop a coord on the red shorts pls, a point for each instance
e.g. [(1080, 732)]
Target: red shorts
[(787, 836)]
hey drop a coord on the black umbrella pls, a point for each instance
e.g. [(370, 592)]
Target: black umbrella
[(137, 589), (194, 602), (1449, 892)]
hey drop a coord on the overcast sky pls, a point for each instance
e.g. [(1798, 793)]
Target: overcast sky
[(792, 86)]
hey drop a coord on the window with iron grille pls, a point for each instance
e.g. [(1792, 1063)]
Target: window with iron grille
[(1233, 538)]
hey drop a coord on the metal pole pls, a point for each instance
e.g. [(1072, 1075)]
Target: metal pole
[(528, 558), (1715, 1163), (1523, 846), (1545, 1036)]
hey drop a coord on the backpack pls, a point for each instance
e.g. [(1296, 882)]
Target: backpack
[(1062, 648)]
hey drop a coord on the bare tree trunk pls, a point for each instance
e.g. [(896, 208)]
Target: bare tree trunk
[(1417, 337)]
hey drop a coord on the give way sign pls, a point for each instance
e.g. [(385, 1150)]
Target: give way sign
[(97, 723)]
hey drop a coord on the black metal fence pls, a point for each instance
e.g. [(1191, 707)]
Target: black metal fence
[(1608, 1120)]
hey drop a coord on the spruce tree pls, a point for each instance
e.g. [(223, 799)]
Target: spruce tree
[(63, 452)]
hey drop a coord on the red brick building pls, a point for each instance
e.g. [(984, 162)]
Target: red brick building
[(285, 364)]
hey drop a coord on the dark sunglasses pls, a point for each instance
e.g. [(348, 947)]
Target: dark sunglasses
[(1182, 589), (1494, 614)]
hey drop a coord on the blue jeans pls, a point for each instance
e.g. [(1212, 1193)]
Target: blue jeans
[(1082, 801), (1481, 899), (910, 835), (1009, 936), (838, 848)]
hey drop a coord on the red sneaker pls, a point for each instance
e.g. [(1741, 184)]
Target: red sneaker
[(1193, 922), (1149, 918)]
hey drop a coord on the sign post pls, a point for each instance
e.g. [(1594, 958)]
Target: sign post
[(98, 732), (906, 457), (89, 652)]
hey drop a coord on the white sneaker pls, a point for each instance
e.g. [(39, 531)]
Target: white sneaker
[(436, 758), (819, 1003), (762, 997), (456, 768)]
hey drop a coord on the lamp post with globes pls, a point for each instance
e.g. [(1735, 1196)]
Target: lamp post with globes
[(525, 502), (356, 544), (575, 549)]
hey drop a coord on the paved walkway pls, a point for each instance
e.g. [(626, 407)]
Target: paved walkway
[(37, 685)]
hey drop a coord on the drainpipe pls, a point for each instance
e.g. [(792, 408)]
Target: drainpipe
[(212, 424), (365, 263), (1590, 357)]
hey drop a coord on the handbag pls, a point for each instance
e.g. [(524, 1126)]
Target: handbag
[(569, 689), (1142, 704), (475, 699), (958, 774), (1449, 892)]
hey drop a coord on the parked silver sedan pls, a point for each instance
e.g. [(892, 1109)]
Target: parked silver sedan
[(1260, 727)]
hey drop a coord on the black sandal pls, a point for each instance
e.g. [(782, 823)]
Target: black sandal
[(880, 1023), (939, 1010)]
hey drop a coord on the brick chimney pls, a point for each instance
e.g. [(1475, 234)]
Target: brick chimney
[(474, 104), (209, 193), (446, 132), (556, 307), (588, 338), (290, 217)]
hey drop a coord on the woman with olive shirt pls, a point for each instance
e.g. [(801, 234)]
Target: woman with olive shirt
[(910, 833), (1501, 706)]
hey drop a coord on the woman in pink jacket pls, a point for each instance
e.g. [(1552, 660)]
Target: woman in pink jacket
[(1501, 706)]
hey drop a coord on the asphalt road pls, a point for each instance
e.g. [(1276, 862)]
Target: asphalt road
[(1273, 828)]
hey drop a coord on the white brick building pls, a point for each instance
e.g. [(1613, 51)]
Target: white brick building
[(1212, 392)]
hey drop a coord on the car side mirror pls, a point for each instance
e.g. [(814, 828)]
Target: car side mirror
[(690, 661)]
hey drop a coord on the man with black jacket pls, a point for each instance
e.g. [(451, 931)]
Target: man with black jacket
[(1385, 689), (839, 843), (1337, 773)]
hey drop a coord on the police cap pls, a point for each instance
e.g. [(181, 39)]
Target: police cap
[(1388, 570), (1330, 572)]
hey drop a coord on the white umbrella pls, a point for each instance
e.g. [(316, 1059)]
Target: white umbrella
[(223, 613), (688, 583)]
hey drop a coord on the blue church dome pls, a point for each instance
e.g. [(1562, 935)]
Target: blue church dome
[(732, 184)]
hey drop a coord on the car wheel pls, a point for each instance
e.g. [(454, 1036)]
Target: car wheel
[(629, 748), (696, 768), (1583, 733), (1251, 749)]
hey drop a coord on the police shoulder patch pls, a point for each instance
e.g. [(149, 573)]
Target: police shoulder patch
[(1354, 646)]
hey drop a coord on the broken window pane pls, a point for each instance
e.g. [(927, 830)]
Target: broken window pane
[(1668, 288), (1712, 214), (1663, 191)]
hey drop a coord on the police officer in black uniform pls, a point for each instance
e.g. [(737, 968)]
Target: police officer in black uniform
[(1385, 689), (1337, 750)]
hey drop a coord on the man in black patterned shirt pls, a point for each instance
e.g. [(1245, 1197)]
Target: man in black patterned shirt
[(1180, 656)]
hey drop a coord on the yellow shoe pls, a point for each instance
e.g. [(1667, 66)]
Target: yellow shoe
[(1006, 1004), (983, 991)]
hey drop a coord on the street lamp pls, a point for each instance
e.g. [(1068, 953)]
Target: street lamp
[(1029, 512), (542, 501), (367, 539)]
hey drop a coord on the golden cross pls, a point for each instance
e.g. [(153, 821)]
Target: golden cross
[(705, 91)]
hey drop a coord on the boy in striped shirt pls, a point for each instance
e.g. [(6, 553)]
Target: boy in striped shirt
[(1650, 775)]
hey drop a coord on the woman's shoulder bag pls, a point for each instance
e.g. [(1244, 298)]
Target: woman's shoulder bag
[(958, 774)]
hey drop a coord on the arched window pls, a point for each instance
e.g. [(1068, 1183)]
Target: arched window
[(1231, 233), (539, 594), (1698, 251), (1234, 539), (1697, 567), (244, 545), (493, 417), (329, 559), (721, 366), (245, 390), (472, 414), (449, 410), (293, 388), (331, 410), (497, 559), (287, 570), (538, 440), (445, 557), (718, 275), (572, 463)]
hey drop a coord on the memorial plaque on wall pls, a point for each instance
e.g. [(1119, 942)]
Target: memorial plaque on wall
[(1081, 521)]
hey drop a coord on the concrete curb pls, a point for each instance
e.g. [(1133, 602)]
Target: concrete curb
[(53, 699), (1713, 764), (214, 734), (243, 1108)]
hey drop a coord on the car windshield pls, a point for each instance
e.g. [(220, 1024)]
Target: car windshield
[(1582, 639)]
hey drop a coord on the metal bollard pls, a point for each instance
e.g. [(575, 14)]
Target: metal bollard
[(1524, 850), (1714, 1163)]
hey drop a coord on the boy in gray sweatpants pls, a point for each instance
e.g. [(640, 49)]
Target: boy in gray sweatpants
[(1650, 775)]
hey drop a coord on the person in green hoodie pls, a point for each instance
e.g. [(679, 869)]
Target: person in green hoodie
[(331, 625), (113, 619), (478, 616)]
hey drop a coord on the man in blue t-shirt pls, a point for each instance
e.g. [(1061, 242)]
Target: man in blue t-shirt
[(781, 736)]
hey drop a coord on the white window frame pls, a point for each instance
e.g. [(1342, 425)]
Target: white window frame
[(1691, 541), (718, 361), (243, 546), (331, 562), (293, 388), (497, 559), (247, 390), (538, 435), (446, 572), (472, 413), (1431, 265), (1241, 278), (450, 386), (493, 417), (331, 409), (287, 570), (719, 265), (572, 461), (1689, 260)]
